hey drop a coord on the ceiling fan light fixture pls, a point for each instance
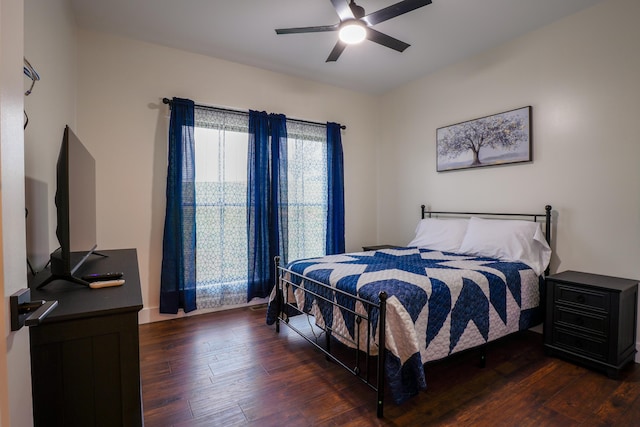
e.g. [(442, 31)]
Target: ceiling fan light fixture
[(352, 32), (356, 25)]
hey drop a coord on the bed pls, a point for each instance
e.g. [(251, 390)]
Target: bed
[(466, 279)]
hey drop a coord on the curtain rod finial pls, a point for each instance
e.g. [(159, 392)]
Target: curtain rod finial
[(166, 101)]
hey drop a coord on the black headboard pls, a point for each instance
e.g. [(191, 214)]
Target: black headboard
[(546, 217)]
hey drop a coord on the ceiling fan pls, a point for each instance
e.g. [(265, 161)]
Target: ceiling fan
[(355, 26)]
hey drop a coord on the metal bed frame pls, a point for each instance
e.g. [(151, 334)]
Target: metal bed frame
[(362, 356)]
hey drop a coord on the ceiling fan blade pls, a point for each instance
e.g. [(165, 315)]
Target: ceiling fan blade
[(337, 51), (342, 9), (394, 10), (317, 29), (385, 40)]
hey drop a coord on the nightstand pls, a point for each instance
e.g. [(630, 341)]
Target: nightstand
[(377, 247), (591, 319)]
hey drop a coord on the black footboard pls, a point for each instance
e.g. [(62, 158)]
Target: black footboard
[(368, 353)]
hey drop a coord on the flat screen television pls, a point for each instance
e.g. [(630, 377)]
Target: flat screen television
[(75, 209)]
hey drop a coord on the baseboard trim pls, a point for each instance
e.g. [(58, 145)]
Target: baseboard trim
[(152, 314)]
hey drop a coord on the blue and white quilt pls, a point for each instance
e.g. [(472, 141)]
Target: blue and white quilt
[(439, 303)]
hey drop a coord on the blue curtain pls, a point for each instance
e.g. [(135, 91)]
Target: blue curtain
[(335, 190), (279, 191), (266, 199), (178, 276)]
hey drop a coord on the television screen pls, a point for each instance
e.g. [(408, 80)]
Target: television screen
[(75, 209), (81, 201)]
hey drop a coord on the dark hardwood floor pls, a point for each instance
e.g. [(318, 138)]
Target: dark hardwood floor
[(230, 368)]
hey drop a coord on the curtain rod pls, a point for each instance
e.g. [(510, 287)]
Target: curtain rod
[(168, 101)]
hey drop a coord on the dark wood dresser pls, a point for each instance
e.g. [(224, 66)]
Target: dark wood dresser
[(85, 360), (591, 319)]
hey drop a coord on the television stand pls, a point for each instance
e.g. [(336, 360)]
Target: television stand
[(58, 271), (66, 278)]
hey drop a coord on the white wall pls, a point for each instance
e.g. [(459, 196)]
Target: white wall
[(581, 75), (124, 124), (15, 372), (50, 46)]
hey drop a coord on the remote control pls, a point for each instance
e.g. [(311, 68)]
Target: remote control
[(106, 283), (97, 277)]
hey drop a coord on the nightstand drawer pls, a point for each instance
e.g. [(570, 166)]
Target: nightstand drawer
[(582, 320), (581, 344), (581, 296)]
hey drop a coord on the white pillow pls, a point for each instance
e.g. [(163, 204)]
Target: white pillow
[(440, 234), (507, 240)]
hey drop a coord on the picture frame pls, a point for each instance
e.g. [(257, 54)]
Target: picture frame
[(498, 139)]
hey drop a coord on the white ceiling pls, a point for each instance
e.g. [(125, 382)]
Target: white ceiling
[(242, 31)]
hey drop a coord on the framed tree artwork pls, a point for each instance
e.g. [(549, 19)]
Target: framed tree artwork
[(488, 141)]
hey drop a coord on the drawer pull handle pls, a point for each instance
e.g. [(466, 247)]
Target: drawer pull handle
[(581, 299)]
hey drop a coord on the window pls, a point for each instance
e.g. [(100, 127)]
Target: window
[(221, 148), (307, 192), (221, 141)]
